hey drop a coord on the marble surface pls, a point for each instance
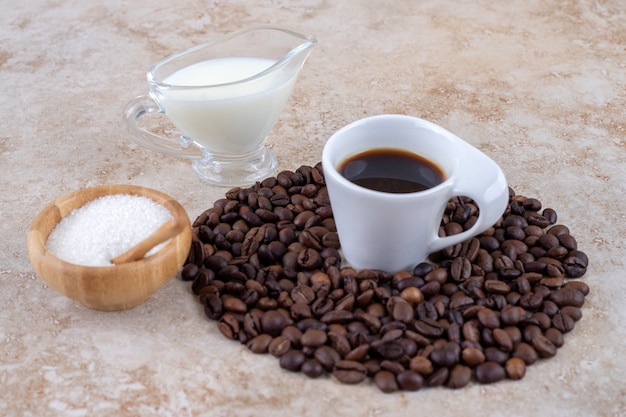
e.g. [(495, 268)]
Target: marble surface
[(538, 85)]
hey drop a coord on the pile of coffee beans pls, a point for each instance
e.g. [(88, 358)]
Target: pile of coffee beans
[(265, 264)]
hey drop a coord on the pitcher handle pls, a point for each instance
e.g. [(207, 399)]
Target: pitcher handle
[(145, 104), (487, 186)]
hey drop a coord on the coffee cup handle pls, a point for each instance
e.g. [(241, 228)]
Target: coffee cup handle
[(145, 104), (481, 179)]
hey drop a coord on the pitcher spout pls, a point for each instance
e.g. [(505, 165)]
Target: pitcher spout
[(289, 49), (298, 55)]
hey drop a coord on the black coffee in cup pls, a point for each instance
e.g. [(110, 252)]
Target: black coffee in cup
[(391, 171)]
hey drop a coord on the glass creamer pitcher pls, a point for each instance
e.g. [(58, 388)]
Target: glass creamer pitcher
[(224, 97)]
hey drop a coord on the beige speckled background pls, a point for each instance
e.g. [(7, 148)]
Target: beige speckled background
[(538, 85)]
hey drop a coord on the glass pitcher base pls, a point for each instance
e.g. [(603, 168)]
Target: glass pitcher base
[(236, 171)]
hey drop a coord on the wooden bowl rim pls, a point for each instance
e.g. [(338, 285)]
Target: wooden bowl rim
[(36, 240)]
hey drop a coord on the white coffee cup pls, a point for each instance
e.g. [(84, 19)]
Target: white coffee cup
[(394, 232)]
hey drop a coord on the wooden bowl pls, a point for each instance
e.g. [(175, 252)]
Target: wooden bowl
[(109, 288)]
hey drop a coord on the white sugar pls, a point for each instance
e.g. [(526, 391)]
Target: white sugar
[(106, 227)]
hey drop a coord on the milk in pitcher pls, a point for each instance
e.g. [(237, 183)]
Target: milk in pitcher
[(221, 113)]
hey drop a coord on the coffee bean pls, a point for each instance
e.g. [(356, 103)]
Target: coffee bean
[(412, 295), (300, 220), (213, 307), (311, 323), (460, 376), (439, 275), (430, 289), (189, 272), (575, 264), (488, 318), (460, 301), (513, 297), (310, 239), (360, 352), (447, 355), (402, 311), (460, 269), (454, 332), (544, 347), (574, 312), (234, 305), (279, 346), (337, 316), (512, 248), (515, 220), (203, 278), (531, 301), (503, 339), (536, 219), (555, 270), (313, 338), (540, 319), (422, 269), (428, 327), (526, 353), (407, 282), (558, 229), (410, 381), (438, 378), (321, 306), (550, 214), (327, 357), (494, 286), (229, 326), (515, 233), (578, 285), (558, 252), (349, 372), (531, 204), (484, 260), (568, 296), (453, 228), (391, 366), (385, 381), (421, 365), (472, 356), (312, 368), (252, 322), (340, 343), (495, 354), (549, 308), (302, 294), (309, 259), (292, 360), (260, 343), (515, 368), (293, 334), (537, 267), (273, 322), (409, 346), (489, 372), (563, 322), (388, 349), (511, 315), (548, 241), (471, 332), (555, 336)]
